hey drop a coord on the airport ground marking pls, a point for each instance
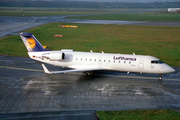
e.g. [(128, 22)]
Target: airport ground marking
[(20, 68)]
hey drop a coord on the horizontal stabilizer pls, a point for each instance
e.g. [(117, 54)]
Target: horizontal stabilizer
[(45, 69)]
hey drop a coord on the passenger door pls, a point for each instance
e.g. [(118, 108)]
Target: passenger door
[(141, 65)]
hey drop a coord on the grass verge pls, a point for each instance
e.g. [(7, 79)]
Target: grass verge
[(150, 16), (139, 115), (29, 11), (159, 41)]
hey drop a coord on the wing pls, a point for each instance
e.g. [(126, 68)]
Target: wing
[(78, 69)]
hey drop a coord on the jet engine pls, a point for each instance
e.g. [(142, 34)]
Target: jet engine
[(54, 56)]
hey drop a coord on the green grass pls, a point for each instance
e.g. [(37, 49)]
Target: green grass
[(139, 115), (29, 11), (51, 11), (147, 16), (42, 13), (151, 16), (159, 41)]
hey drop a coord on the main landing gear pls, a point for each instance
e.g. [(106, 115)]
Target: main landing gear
[(88, 73), (160, 77)]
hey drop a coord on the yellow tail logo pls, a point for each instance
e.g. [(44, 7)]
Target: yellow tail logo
[(31, 43)]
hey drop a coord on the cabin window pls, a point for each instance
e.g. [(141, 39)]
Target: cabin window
[(109, 61), (94, 59), (156, 62), (90, 60), (81, 59), (114, 61), (104, 60), (76, 58), (129, 62), (124, 61), (86, 59), (119, 61)]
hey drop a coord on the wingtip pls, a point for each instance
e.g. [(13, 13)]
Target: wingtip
[(45, 69)]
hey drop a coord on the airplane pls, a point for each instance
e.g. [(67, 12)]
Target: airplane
[(173, 9), (87, 62)]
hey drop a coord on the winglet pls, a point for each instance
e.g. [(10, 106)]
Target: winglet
[(45, 69)]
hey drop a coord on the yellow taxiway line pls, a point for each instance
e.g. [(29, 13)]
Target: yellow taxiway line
[(20, 68)]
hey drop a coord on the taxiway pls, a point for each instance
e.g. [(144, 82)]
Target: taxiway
[(25, 88)]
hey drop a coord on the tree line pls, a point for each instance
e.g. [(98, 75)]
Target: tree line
[(83, 4)]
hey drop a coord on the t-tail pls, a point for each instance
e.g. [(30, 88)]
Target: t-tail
[(31, 43)]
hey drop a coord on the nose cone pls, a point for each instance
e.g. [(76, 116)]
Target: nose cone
[(172, 70), (169, 69)]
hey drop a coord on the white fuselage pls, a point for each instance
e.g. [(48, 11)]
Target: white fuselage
[(173, 9), (105, 61)]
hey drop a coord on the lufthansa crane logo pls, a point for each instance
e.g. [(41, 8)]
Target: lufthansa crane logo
[(31, 43)]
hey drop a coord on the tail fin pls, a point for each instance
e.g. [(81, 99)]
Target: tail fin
[(31, 43)]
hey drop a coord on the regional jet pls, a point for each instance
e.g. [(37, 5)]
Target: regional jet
[(173, 9), (87, 62)]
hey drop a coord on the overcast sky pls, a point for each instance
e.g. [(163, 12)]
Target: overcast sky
[(130, 0)]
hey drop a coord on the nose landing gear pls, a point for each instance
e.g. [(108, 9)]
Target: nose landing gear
[(160, 77)]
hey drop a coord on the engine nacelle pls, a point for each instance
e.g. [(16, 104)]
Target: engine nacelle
[(54, 56)]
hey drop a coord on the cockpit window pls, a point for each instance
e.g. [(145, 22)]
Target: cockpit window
[(157, 62), (160, 61)]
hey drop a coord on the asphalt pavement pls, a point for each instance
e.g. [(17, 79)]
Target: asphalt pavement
[(24, 87)]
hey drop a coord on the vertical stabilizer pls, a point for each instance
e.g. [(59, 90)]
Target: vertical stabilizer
[(31, 43)]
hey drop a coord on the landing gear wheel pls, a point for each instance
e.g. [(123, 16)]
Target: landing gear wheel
[(85, 73), (160, 77), (88, 73), (91, 73)]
